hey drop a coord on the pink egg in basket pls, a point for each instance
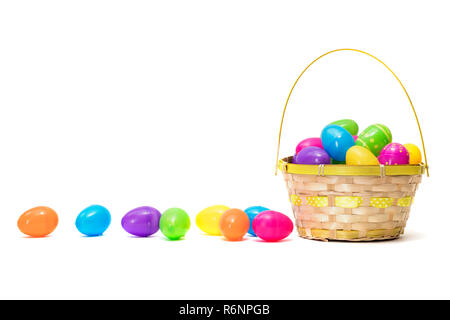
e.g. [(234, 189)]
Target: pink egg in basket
[(393, 154), (310, 142)]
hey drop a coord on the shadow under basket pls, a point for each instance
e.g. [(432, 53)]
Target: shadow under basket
[(351, 203)]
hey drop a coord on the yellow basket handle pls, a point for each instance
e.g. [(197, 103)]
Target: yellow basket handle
[(355, 50)]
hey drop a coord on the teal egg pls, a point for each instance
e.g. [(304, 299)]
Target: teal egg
[(93, 221), (336, 141), (252, 212)]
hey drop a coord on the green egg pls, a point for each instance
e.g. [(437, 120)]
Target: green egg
[(349, 125), (174, 223), (336, 161), (374, 138)]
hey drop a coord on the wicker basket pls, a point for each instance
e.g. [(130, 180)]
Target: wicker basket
[(351, 203)]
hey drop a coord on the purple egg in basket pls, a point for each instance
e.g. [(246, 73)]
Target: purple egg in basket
[(311, 155)]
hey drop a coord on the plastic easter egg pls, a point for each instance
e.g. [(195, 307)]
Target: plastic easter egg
[(38, 222), (234, 224), (348, 124), (208, 219), (310, 142), (93, 221), (415, 156), (394, 154), (142, 221), (174, 223), (336, 141), (333, 161), (252, 212), (360, 156), (311, 155), (272, 226), (355, 138), (374, 138)]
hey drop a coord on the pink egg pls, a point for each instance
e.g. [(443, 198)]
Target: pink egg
[(355, 138), (310, 142), (272, 226), (393, 154)]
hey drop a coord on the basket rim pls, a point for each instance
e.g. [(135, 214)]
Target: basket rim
[(286, 166)]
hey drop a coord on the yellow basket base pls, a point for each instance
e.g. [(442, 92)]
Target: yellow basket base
[(349, 235)]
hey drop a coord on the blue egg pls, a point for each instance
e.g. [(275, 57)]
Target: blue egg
[(252, 212), (336, 141), (93, 221)]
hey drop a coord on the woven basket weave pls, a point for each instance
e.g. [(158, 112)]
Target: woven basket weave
[(351, 203), (350, 208)]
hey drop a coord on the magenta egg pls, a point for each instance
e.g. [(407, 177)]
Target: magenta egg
[(272, 226), (393, 154), (355, 138), (312, 155), (310, 142)]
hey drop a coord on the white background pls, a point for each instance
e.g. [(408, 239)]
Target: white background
[(178, 103)]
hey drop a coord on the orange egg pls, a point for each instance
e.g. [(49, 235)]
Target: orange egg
[(234, 224), (38, 222)]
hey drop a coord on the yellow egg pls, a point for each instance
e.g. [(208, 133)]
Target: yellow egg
[(415, 157), (208, 219), (360, 156)]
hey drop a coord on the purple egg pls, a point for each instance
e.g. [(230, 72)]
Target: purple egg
[(311, 155), (142, 221)]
